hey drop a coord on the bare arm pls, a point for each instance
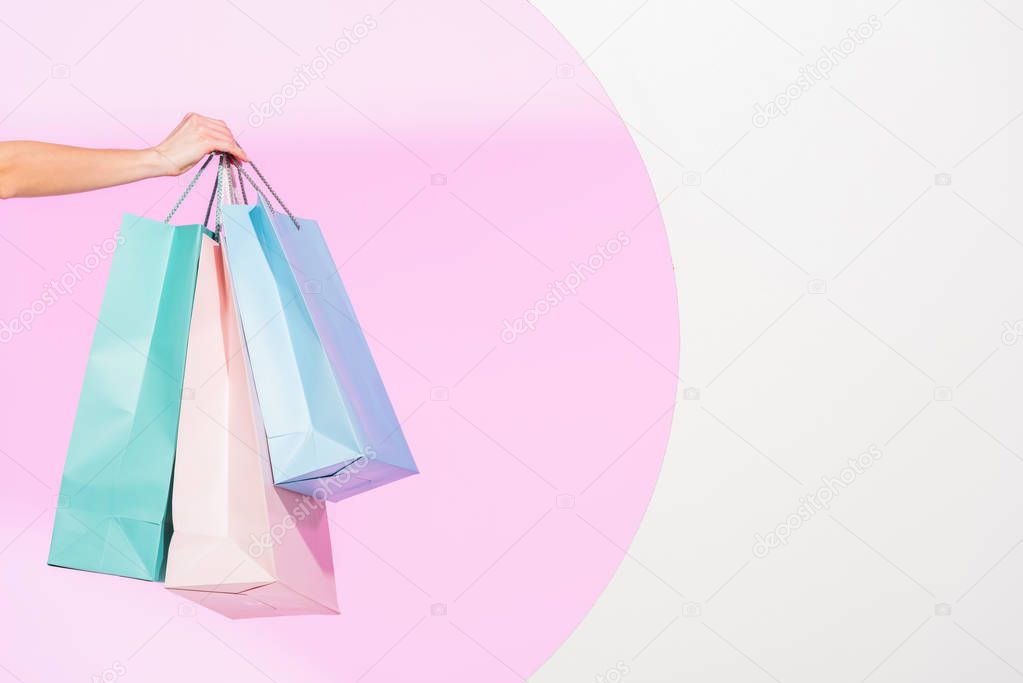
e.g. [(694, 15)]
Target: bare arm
[(35, 169)]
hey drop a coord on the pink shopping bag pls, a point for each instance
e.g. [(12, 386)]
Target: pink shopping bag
[(240, 545)]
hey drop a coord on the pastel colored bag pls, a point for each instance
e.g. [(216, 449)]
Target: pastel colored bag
[(330, 426), (112, 512), (240, 546)]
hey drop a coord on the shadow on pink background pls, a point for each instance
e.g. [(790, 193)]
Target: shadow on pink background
[(461, 161)]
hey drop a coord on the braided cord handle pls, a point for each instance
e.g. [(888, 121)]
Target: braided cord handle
[(216, 198), (236, 178), (188, 189), (221, 179), (255, 168)]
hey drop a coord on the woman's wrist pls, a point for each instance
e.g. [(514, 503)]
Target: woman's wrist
[(154, 163)]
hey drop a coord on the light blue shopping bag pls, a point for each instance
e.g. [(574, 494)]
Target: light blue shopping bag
[(330, 426)]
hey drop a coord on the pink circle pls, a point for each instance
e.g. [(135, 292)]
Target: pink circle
[(499, 236)]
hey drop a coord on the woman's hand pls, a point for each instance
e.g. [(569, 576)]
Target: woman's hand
[(38, 169), (194, 138)]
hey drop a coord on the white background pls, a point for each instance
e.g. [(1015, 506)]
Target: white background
[(849, 275)]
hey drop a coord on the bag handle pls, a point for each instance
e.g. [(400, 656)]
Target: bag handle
[(213, 196), (216, 198), (241, 170), (188, 189), (236, 179)]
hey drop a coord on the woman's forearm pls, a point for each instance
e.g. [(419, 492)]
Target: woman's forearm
[(35, 169)]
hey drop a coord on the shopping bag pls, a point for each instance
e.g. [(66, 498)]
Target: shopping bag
[(112, 511), (330, 426), (240, 546)]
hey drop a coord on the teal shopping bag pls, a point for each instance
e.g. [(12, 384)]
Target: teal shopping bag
[(113, 510)]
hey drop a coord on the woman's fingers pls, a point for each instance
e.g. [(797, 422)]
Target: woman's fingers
[(225, 133), (194, 137), (224, 137), (216, 126), (224, 143)]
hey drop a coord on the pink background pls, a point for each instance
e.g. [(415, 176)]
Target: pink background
[(456, 173)]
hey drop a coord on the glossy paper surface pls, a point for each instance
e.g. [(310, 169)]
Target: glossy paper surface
[(115, 493), (241, 546), (330, 426)]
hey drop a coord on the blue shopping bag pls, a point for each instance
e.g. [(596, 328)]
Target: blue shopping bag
[(331, 429)]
